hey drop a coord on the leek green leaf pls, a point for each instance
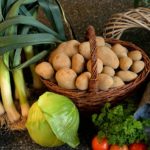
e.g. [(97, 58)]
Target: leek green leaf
[(39, 129), (53, 13), (11, 42), (32, 60), (1, 10), (25, 20), (62, 116)]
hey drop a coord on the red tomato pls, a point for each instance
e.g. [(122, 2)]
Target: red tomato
[(116, 147), (137, 146), (99, 144)]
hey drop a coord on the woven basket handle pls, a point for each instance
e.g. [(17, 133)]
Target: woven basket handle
[(92, 40)]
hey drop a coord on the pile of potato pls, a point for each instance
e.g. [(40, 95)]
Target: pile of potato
[(69, 65)]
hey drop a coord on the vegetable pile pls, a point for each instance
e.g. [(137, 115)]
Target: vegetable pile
[(21, 36), (118, 125), (69, 65)]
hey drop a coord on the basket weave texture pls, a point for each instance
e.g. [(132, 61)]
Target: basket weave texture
[(92, 99), (134, 18)]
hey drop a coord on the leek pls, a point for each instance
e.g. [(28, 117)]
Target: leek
[(18, 74), (21, 90), (29, 53), (6, 93), (37, 84), (2, 111)]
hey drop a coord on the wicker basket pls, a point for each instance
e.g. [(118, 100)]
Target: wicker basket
[(91, 100)]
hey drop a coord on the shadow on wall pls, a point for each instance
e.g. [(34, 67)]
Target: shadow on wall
[(82, 13)]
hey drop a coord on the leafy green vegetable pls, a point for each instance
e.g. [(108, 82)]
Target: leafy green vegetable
[(39, 129), (61, 116), (119, 126)]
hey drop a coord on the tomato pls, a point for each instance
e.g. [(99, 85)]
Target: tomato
[(99, 144), (137, 146), (116, 147)]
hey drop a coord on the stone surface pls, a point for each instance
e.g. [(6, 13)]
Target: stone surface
[(82, 13)]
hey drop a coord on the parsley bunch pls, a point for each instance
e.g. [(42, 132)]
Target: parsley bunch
[(118, 125)]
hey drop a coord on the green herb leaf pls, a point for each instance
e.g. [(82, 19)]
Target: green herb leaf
[(119, 126)]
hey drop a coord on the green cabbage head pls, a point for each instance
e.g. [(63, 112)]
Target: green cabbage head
[(53, 120)]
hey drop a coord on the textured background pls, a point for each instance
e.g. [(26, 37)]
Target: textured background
[(82, 13)]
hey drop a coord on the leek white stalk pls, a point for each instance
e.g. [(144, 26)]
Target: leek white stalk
[(2, 111), (21, 90), (6, 92), (37, 84)]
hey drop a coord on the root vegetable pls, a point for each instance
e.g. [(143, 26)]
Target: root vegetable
[(108, 57), (84, 50), (53, 53), (108, 70), (117, 82), (120, 50), (61, 60), (104, 81), (78, 63), (127, 76), (135, 55), (45, 70), (65, 78), (82, 81), (100, 41), (125, 63), (71, 47), (137, 66), (99, 66), (108, 45)]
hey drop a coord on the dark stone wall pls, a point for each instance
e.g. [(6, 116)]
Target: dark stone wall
[(82, 13)]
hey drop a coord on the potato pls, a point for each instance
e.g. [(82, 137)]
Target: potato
[(117, 82), (84, 50), (99, 66), (108, 70), (108, 57), (45, 70), (127, 76), (82, 81), (71, 47), (104, 81), (61, 60), (125, 63), (65, 78), (120, 50), (137, 66), (135, 55), (100, 41), (53, 53), (108, 45), (78, 63)]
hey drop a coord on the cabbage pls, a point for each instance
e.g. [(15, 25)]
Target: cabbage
[(53, 120)]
